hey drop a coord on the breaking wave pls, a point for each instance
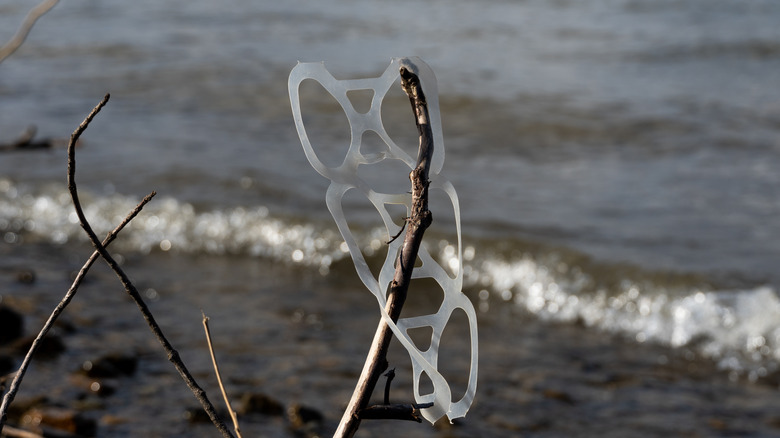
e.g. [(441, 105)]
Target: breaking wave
[(738, 329)]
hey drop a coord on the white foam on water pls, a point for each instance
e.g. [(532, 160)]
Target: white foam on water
[(344, 178), (739, 329), (165, 224)]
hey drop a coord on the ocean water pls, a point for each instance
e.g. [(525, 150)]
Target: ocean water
[(615, 159)]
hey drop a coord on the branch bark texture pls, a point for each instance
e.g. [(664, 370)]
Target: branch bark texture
[(419, 220)]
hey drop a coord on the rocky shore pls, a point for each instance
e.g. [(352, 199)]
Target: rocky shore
[(291, 343)]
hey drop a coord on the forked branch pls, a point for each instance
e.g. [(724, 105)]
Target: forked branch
[(173, 355), (19, 375)]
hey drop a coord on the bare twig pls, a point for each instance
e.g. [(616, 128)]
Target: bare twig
[(409, 412), (35, 13), (389, 375), (19, 375), (398, 234), (219, 376), (132, 291), (19, 433), (419, 220)]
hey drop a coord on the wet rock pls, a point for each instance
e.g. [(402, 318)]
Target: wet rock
[(558, 395), (65, 326), (50, 346), (7, 364), (774, 422), (110, 365), (65, 419), (24, 404), (198, 415), (304, 421), (25, 276), (114, 420), (259, 403), (11, 325), (93, 386)]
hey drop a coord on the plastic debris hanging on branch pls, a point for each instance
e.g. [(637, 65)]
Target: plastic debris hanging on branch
[(344, 178)]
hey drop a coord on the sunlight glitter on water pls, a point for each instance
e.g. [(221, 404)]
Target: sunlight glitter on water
[(737, 328)]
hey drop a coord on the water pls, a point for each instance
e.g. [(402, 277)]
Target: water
[(615, 160)]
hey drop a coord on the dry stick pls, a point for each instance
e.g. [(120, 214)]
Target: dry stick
[(33, 16), (419, 220), (173, 355), (19, 375), (219, 376), (20, 433)]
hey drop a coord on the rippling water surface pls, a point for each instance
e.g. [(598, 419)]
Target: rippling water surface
[(615, 160)]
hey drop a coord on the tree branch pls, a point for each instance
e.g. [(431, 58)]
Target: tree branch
[(37, 12), (173, 355), (419, 220), (19, 375)]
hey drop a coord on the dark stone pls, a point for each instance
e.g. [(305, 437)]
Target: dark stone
[(22, 405), (259, 403), (110, 365), (304, 421), (25, 276), (50, 346), (560, 396), (98, 388), (7, 364), (198, 415), (11, 325), (65, 419)]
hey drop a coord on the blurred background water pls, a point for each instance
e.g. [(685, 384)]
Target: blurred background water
[(615, 159)]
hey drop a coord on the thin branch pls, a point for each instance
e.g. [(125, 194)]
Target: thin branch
[(219, 376), (418, 222), (132, 291), (19, 375), (16, 41), (398, 234), (389, 375), (409, 412), (19, 433)]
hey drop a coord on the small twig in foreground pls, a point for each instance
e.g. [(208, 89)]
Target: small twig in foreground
[(132, 291), (219, 376)]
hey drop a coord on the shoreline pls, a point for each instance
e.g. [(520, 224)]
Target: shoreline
[(279, 331)]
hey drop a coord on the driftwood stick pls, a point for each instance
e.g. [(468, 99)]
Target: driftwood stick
[(173, 355), (37, 12), (419, 220)]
